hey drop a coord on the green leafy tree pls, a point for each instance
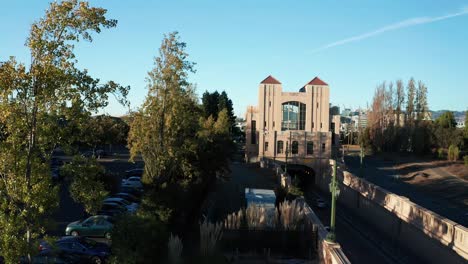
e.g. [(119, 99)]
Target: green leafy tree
[(446, 120), (139, 239), (87, 186), (104, 130), (163, 129), (39, 105)]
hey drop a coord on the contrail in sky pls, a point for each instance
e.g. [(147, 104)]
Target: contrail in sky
[(402, 24)]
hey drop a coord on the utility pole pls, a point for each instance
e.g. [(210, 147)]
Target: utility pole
[(335, 191)]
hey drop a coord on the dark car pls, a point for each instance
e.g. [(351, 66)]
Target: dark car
[(87, 250), (127, 196), (131, 190), (135, 172), (52, 256), (101, 153), (112, 209)]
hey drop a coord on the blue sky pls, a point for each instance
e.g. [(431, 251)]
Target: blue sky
[(352, 45)]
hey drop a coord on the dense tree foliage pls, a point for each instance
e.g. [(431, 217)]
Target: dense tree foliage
[(87, 185), (183, 149), (104, 131), (391, 129), (40, 106), (213, 103)]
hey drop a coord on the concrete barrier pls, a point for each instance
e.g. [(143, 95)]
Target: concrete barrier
[(434, 238), (329, 253)]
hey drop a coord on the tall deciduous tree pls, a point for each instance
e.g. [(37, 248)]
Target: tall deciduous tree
[(36, 101), (421, 101), (399, 100), (163, 129), (411, 94)]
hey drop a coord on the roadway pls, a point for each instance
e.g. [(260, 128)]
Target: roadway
[(382, 173)]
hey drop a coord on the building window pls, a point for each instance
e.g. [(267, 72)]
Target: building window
[(323, 146), (273, 123), (269, 103), (266, 146), (279, 147), (294, 116), (313, 124), (295, 147), (317, 104), (264, 124), (320, 125), (310, 147), (253, 132)]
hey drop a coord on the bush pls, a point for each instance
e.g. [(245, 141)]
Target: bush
[(453, 153), (465, 158), (440, 153)]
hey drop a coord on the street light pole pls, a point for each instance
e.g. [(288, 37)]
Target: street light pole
[(335, 191), (361, 155)]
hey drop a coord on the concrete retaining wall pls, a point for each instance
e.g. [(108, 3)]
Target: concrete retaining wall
[(428, 235), (329, 253)]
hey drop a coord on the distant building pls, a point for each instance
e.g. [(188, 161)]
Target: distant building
[(296, 125), (461, 123)]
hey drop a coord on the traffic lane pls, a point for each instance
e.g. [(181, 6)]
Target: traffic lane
[(356, 247)]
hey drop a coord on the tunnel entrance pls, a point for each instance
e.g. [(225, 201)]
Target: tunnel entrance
[(303, 175)]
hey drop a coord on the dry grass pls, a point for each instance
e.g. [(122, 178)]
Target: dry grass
[(210, 234), (289, 216), (175, 248)]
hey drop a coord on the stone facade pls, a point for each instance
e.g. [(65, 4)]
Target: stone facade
[(296, 125)]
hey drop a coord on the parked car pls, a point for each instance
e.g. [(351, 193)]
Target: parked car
[(88, 154), (100, 153), (133, 181), (127, 196), (96, 226), (52, 256), (131, 207), (87, 250), (320, 203), (132, 190), (113, 208), (135, 172)]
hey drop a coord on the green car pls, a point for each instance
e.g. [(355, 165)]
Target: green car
[(95, 226)]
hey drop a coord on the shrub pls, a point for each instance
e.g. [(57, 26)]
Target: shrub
[(453, 153), (465, 158), (440, 153)]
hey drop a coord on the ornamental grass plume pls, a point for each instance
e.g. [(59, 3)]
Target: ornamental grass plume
[(175, 247), (234, 221), (291, 215), (210, 234)]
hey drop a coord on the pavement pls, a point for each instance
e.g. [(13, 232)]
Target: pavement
[(382, 173), (360, 242)]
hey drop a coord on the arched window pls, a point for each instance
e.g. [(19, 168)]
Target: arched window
[(295, 147), (294, 115)]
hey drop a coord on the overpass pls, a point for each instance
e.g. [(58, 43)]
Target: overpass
[(402, 223)]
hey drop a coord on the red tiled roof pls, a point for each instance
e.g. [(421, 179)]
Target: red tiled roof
[(317, 81), (270, 80)]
